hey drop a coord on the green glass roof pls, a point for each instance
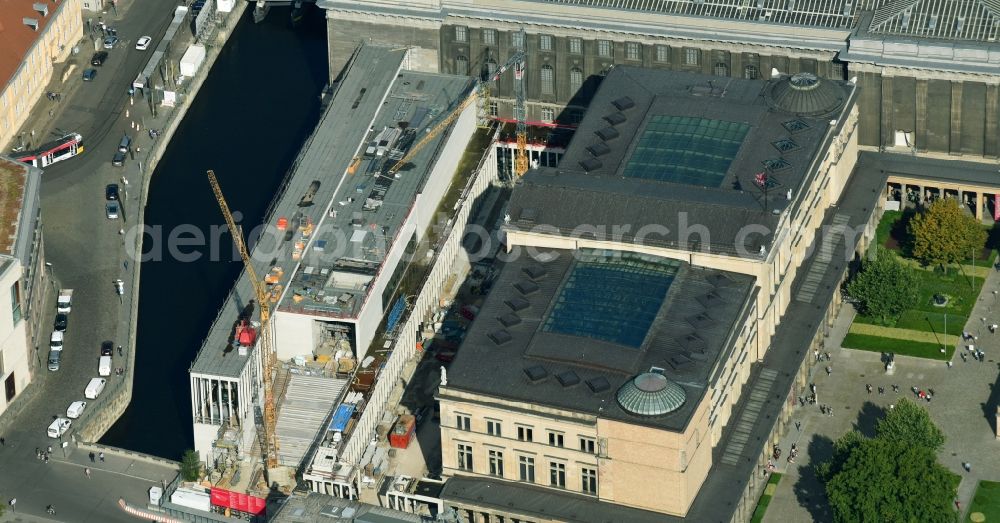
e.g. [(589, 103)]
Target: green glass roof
[(682, 149), (612, 296)]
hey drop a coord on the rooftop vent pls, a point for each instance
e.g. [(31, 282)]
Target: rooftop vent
[(701, 320), (526, 287), (598, 384), (30, 22), (680, 362), (499, 337), (536, 373), (711, 300), (795, 126), (623, 103), (42, 9), (509, 320), (615, 118), (776, 164), (517, 304), (528, 214), (607, 133), (591, 164), (599, 149), (692, 343), (651, 394), (785, 145), (535, 272), (568, 378)]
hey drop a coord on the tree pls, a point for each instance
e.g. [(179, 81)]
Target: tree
[(885, 287), (944, 233), (910, 424), (190, 465), (889, 480)]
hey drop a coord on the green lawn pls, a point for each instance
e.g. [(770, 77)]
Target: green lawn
[(924, 316), (986, 501), (902, 347), (765, 499)]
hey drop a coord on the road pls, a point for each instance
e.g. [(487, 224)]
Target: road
[(86, 253)]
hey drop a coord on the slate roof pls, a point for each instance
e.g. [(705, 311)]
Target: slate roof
[(588, 188), (582, 374)]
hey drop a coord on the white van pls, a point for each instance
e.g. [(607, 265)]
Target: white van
[(75, 409), (104, 366), (59, 427), (94, 388)]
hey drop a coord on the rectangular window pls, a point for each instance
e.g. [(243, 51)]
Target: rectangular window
[(465, 457), (555, 439), (588, 445), (493, 428), (548, 77), (517, 40), (525, 434), (494, 109), (557, 474), (548, 114), (527, 468), (461, 34), (490, 36), (663, 53), (545, 42), (589, 479), (604, 48), (576, 46), (496, 463), (692, 56), (15, 301), (632, 51), (463, 422)]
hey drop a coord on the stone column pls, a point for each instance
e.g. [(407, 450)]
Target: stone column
[(955, 145), (888, 137), (991, 143), (979, 206), (920, 133)]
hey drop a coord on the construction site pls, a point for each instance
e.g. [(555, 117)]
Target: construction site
[(300, 380)]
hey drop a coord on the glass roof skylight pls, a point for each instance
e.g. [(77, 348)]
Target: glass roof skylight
[(682, 149), (611, 296)]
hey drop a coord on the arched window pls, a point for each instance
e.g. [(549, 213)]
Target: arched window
[(462, 65), (548, 80), (575, 80), (720, 69), (751, 72), (489, 69)]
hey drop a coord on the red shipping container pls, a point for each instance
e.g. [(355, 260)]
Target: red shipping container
[(402, 432), (238, 501)]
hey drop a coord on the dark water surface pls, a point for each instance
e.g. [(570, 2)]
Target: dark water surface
[(249, 120)]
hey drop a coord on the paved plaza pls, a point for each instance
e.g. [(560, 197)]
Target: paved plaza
[(964, 404)]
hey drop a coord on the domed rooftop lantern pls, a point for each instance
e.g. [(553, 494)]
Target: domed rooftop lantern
[(650, 394), (805, 94)]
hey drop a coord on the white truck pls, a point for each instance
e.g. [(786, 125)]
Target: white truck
[(65, 302)]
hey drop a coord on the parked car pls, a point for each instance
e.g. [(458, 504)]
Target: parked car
[(107, 348), (89, 74), (62, 321), (111, 209), (75, 409), (119, 159), (56, 340), (99, 58), (59, 427), (55, 357), (445, 356), (143, 43), (109, 42), (111, 192)]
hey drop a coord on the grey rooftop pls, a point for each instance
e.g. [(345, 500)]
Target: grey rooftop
[(643, 122), (520, 348), (364, 98)]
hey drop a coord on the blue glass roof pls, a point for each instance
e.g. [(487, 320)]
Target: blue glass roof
[(683, 149), (612, 296)]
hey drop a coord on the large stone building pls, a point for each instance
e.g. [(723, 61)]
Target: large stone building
[(928, 71), (626, 369), (22, 276), (34, 38)]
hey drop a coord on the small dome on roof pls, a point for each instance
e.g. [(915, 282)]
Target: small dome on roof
[(806, 94), (651, 394)]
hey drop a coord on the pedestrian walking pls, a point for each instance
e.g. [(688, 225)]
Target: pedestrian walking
[(965, 465), (12, 502), (881, 390), (966, 360), (86, 472), (827, 356), (101, 457), (895, 388), (3, 442), (829, 370), (798, 425), (91, 456), (120, 347), (49, 449), (46, 459), (868, 387)]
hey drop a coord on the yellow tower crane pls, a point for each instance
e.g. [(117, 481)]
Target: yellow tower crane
[(269, 445)]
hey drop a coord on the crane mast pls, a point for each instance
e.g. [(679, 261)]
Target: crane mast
[(269, 445), (520, 112)]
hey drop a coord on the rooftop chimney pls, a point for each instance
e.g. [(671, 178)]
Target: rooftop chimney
[(43, 9), (30, 22)]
